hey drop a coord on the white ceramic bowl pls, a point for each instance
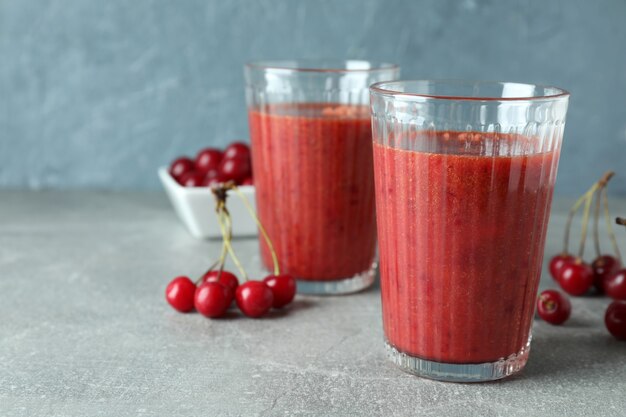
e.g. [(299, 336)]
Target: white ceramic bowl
[(196, 208)]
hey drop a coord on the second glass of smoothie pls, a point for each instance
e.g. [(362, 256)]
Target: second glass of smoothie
[(464, 177), (312, 163)]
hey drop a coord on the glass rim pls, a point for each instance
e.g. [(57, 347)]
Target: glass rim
[(322, 65), (385, 88)]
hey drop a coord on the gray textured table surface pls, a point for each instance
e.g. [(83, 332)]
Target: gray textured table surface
[(85, 331)]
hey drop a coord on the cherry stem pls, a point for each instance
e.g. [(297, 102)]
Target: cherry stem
[(548, 304), (605, 178), (572, 212), (568, 225), (222, 259), (596, 219), (585, 198), (226, 227), (228, 220), (248, 206), (199, 280), (585, 222), (600, 194), (609, 228)]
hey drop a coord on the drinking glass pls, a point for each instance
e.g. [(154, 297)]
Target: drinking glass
[(464, 174), (311, 136)]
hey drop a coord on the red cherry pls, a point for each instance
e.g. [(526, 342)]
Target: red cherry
[(615, 319), (283, 288), (557, 262), (247, 181), (615, 285), (576, 278), (237, 150), (211, 178), (227, 278), (180, 167), (212, 173), (254, 298), (236, 169), (553, 307), (179, 293), (603, 267), (208, 159), (210, 182), (192, 179), (212, 299)]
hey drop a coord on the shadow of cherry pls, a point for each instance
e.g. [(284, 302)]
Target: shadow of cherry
[(233, 313), (296, 305)]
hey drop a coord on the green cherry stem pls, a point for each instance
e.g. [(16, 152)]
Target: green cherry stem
[(572, 212), (231, 251), (583, 238), (216, 263), (586, 198), (596, 220), (601, 194), (248, 206), (609, 227), (226, 229), (222, 260)]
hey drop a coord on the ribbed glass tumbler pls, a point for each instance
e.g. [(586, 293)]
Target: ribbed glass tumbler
[(311, 136), (464, 173)]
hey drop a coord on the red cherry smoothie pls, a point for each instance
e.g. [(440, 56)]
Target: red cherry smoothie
[(461, 240), (314, 184)]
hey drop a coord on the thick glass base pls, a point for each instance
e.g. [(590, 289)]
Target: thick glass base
[(357, 283), (454, 372)]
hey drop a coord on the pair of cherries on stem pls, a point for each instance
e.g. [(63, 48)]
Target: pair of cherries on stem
[(254, 298), (217, 290), (574, 275), (577, 277)]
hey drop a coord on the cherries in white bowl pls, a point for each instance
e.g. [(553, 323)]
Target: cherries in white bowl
[(212, 166), (187, 181)]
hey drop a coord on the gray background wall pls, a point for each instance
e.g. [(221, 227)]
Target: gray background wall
[(99, 93)]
